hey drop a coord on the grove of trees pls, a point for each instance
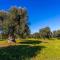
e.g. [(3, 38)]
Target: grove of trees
[(14, 23), (46, 33)]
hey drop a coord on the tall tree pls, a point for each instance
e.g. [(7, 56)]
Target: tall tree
[(45, 32), (16, 22)]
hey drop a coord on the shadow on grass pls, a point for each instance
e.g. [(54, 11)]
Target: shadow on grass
[(31, 42), (20, 52)]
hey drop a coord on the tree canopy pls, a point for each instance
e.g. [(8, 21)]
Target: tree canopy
[(15, 21)]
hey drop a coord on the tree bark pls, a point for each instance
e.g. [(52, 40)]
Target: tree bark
[(11, 38)]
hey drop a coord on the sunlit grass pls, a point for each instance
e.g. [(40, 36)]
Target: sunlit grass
[(38, 49), (51, 52)]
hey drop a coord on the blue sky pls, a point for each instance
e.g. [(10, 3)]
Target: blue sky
[(41, 13)]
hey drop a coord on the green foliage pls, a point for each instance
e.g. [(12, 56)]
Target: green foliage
[(45, 32), (36, 35), (17, 17), (56, 34)]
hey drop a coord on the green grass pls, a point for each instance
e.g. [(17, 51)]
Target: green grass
[(31, 50)]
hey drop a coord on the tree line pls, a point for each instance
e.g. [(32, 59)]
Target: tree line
[(46, 33)]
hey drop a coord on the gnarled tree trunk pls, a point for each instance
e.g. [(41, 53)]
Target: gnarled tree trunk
[(11, 36)]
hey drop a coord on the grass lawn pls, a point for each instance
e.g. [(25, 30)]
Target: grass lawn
[(30, 50)]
